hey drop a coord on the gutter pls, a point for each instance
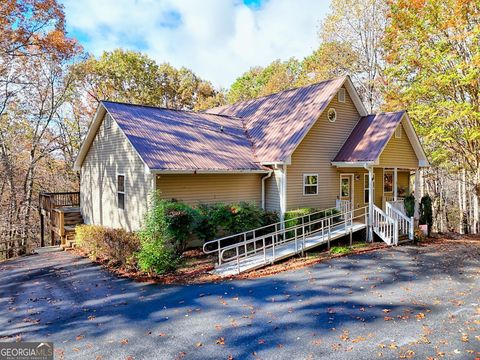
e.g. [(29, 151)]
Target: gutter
[(263, 187)]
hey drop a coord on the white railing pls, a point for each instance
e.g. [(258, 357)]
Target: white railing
[(219, 244), (296, 233), (385, 226), (343, 205), (405, 224)]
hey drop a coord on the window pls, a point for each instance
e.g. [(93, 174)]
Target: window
[(341, 95), (121, 192), (345, 187), (387, 182), (332, 115), (398, 132), (366, 190), (310, 184)]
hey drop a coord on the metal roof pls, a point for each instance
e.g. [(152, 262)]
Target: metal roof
[(369, 137), (183, 140), (277, 123)]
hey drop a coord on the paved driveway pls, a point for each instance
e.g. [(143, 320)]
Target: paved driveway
[(401, 302)]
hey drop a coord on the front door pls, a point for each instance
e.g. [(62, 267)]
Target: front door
[(346, 190)]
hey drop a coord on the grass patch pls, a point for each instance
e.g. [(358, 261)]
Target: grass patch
[(340, 250)]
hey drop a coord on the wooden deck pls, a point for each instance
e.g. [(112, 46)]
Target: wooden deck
[(59, 214)]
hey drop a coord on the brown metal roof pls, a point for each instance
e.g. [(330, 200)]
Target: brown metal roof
[(277, 123), (369, 137), (183, 140)]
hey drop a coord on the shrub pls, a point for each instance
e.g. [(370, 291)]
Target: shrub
[(164, 235), (426, 216), (409, 203), (156, 256), (116, 245), (215, 220), (299, 216)]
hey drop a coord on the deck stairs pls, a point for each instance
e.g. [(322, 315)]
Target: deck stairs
[(263, 246)]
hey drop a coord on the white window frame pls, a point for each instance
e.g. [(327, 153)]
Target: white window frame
[(117, 192), (341, 95), (398, 132), (328, 117), (304, 184), (366, 187)]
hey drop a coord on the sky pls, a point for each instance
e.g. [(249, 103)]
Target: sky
[(218, 39)]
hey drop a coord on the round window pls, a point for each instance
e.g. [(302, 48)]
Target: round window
[(332, 115)]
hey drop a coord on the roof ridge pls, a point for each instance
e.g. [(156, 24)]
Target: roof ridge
[(278, 92)]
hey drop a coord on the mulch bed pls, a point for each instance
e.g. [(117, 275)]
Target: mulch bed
[(196, 266)]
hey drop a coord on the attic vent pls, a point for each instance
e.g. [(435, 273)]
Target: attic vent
[(398, 132), (108, 121), (341, 95)]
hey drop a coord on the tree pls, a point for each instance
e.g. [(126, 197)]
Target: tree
[(433, 53), (356, 28), (259, 81), (34, 53), (330, 60)]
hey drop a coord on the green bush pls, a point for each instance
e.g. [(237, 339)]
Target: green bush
[(216, 220), (116, 245), (409, 203), (157, 256), (300, 216), (163, 235), (426, 216)]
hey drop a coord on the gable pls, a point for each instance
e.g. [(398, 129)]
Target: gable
[(399, 152), (325, 138), (278, 123)]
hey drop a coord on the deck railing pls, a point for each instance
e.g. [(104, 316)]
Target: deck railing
[(49, 201)]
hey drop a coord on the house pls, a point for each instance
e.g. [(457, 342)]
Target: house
[(313, 146)]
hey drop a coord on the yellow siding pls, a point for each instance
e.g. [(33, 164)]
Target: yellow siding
[(403, 179), (111, 154), (399, 153), (210, 188), (315, 153)]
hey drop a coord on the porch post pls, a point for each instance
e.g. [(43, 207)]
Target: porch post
[(395, 185), (417, 195), (370, 205)]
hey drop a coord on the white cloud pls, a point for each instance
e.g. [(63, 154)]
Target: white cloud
[(218, 39)]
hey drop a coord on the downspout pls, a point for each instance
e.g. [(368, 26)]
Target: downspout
[(283, 205), (270, 172)]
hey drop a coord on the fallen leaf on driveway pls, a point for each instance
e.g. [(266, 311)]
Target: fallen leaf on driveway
[(220, 341)]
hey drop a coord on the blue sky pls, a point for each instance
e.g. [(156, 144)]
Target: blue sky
[(218, 39)]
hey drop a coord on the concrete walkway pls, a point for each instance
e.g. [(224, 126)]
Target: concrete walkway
[(405, 302)]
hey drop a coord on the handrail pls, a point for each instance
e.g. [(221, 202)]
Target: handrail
[(405, 224), (277, 225), (385, 226), (279, 237)]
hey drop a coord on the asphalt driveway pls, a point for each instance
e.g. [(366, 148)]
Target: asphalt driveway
[(405, 302)]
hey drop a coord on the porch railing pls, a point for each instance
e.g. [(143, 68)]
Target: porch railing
[(385, 226), (405, 224)]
